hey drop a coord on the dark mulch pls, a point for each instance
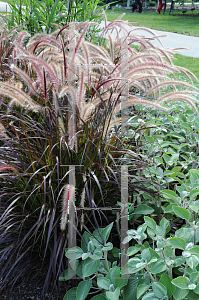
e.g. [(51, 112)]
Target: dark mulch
[(29, 289)]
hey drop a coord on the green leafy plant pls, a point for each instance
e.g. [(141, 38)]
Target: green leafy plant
[(44, 16), (168, 264), (90, 262)]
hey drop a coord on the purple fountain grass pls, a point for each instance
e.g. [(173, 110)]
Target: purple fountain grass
[(68, 201), (72, 91)]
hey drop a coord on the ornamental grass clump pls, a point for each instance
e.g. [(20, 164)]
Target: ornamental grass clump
[(66, 104)]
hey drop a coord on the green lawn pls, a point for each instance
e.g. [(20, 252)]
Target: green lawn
[(150, 19), (190, 63)]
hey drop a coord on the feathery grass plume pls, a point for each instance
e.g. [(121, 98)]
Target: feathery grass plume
[(80, 93), (87, 60), (25, 78), (47, 41), (72, 139), (6, 168), (71, 91), (135, 100), (68, 201), (111, 47), (21, 99), (22, 36), (3, 131), (172, 83), (87, 111), (82, 202), (61, 127), (34, 60)]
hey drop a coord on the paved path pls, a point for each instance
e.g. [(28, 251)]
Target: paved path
[(171, 40)]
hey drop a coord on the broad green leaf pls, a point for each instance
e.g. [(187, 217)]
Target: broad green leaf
[(71, 294), (103, 283), (141, 290), (168, 173), (164, 223), (90, 266), (83, 289), (187, 233), (158, 267), (146, 255), (90, 246), (106, 232), (149, 139), (168, 252), (97, 242), (178, 261), (181, 282), (180, 293), (170, 195), (130, 290), (194, 193), (115, 277), (159, 290), (108, 246), (181, 212), (158, 160), (196, 290), (194, 206), (113, 295), (177, 243), (143, 209), (74, 263), (85, 255), (169, 208), (133, 250), (150, 232), (74, 253), (150, 222), (99, 297), (97, 254), (150, 296), (153, 253), (194, 277), (194, 250), (98, 235), (186, 125), (192, 261), (166, 281), (177, 136), (182, 117), (192, 296)]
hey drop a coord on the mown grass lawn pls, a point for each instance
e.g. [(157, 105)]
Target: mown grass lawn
[(190, 63), (166, 22)]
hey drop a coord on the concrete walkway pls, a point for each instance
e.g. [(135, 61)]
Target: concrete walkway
[(171, 40)]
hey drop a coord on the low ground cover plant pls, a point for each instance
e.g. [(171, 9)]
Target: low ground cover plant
[(154, 270), (62, 107)]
